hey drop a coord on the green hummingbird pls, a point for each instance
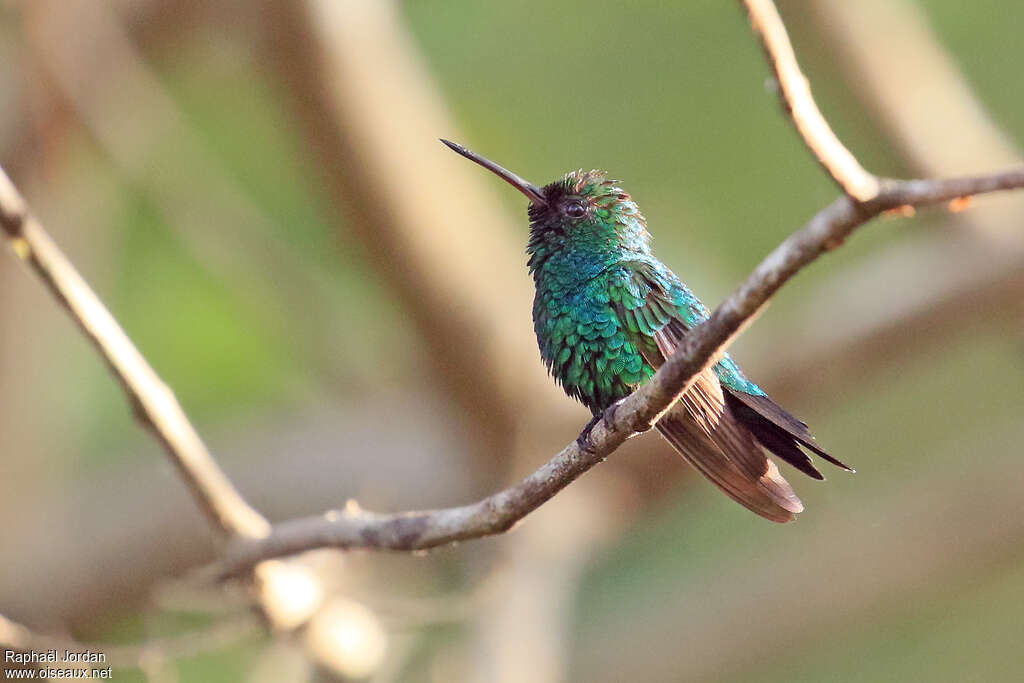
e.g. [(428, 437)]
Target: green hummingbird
[(607, 314)]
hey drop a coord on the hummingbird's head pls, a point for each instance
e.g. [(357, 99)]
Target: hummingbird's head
[(584, 214)]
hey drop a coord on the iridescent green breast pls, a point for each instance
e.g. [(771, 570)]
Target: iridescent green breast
[(596, 338), (585, 345)]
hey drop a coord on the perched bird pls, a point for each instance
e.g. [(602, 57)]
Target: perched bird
[(607, 314)]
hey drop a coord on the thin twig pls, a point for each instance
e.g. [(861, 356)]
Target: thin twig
[(154, 403), (795, 93), (408, 531), (979, 252)]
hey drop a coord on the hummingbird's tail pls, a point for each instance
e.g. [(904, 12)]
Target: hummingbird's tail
[(708, 434), (778, 431)]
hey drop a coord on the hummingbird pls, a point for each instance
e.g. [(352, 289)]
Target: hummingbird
[(607, 315)]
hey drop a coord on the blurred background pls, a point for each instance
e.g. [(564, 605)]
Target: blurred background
[(342, 305)]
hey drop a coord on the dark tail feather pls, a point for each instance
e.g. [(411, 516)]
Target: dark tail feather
[(779, 431), (778, 442)]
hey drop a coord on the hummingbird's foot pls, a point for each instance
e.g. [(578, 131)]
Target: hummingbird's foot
[(607, 416), (583, 440)]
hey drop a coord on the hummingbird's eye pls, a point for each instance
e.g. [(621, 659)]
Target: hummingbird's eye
[(575, 209)]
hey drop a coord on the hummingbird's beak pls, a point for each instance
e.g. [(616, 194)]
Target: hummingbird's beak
[(532, 192)]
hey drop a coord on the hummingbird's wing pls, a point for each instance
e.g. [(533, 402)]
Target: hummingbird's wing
[(702, 426), (771, 425), (705, 431), (769, 494)]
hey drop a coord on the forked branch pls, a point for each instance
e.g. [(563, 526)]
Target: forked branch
[(703, 346), (795, 92), (253, 540)]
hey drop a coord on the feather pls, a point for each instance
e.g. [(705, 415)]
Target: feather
[(722, 432), (773, 427), (767, 418), (703, 429), (768, 494)]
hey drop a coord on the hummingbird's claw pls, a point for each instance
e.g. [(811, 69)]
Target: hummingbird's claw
[(607, 416), (583, 440)]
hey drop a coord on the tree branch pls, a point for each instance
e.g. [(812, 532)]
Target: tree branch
[(702, 347), (980, 252), (154, 403), (253, 538), (795, 93)]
